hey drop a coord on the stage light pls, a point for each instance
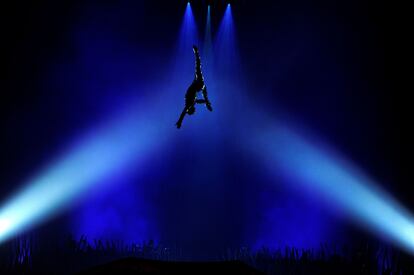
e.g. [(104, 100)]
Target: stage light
[(208, 51), (315, 169), (107, 150), (225, 45), (183, 59), (187, 38), (126, 140)]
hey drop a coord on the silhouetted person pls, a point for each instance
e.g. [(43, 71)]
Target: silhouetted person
[(192, 91)]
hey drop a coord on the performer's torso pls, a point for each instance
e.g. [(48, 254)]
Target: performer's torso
[(192, 91)]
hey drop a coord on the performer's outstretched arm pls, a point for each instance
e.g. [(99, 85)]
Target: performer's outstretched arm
[(180, 120), (208, 104)]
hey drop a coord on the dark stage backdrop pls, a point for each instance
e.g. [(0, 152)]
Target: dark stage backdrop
[(71, 64)]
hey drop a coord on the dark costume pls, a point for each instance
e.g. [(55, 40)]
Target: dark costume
[(196, 86)]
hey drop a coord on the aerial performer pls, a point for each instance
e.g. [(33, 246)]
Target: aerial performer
[(193, 90)]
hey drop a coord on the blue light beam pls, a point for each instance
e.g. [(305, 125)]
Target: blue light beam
[(123, 141), (188, 31), (207, 36), (183, 58), (322, 172), (225, 44)]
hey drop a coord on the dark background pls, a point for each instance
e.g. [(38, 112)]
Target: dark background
[(334, 66)]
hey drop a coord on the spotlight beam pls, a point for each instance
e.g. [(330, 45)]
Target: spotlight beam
[(312, 166), (121, 143), (188, 30), (207, 34), (317, 169), (105, 151), (226, 49)]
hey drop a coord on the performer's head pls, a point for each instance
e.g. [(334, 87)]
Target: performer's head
[(195, 49), (191, 110)]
